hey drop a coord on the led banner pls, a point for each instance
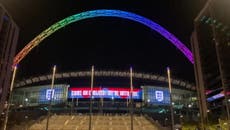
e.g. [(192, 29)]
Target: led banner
[(217, 96), (113, 93)]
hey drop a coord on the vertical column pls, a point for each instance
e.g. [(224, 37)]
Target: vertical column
[(91, 94), (51, 97), (171, 103), (131, 96), (10, 96)]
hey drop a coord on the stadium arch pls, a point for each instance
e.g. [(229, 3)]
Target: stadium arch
[(103, 13)]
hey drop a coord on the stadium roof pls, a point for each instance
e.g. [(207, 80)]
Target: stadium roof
[(121, 74)]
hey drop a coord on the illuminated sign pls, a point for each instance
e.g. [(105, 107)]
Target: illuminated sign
[(156, 95), (98, 92), (217, 96), (159, 96), (58, 94), (48, 94)]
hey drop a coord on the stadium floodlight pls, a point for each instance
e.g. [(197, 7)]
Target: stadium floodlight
[(170, 91), (51, 97), (131, 96), (10, 96), (148, 100), (91, 96)]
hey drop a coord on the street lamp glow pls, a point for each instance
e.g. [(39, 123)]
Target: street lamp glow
[(148, 100)]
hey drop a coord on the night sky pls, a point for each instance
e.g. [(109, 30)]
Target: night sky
[(107, 43)]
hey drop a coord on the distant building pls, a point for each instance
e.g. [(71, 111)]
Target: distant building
[(211, 48), (9, 33)]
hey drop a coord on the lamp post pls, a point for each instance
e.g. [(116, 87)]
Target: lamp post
[(208, 117), (10, 96), (51, 97), (165, 123), (181, 119), (170, 91), (91, 96), (26, 118), (131, 96)]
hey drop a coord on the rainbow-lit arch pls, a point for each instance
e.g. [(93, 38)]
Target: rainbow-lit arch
[(103, 13)]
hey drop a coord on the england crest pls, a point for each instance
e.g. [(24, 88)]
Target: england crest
[(159, 96)]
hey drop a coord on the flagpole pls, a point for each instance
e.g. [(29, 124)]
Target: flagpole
[(51, 97), (170, 91), (10, 96), (131, 96), (91, 94)]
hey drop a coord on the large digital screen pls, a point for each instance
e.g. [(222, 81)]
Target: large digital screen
[(156, 95), (101, 92)]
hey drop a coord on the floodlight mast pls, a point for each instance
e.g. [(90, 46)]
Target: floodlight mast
[(171, 103), (50, 97), (10, 97)]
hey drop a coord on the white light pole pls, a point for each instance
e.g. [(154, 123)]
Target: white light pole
[(170, 91), (10, 96), (208, 117), (51, 97), (91, 94), (131, 96)]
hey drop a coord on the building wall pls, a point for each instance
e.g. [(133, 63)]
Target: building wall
[(160, 96), (39, 95), (9, 33), (211, 48)]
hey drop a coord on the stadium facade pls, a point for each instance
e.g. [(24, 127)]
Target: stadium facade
[(155, 95), (111, 93), (9, 33)]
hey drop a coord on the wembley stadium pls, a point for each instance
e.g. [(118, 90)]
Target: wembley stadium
[(103, 100), (69, 101)]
